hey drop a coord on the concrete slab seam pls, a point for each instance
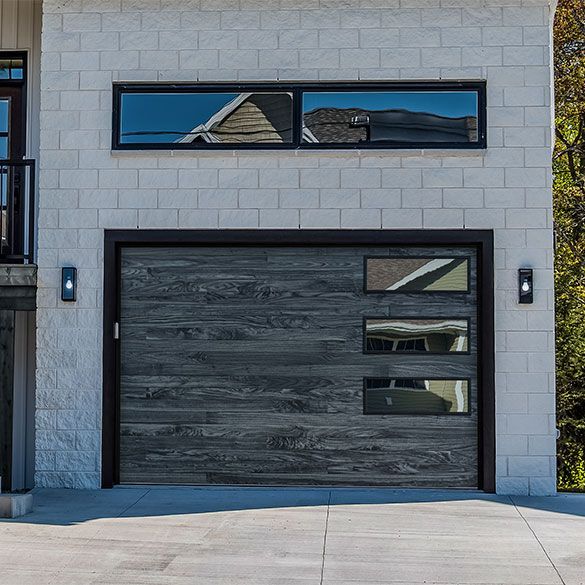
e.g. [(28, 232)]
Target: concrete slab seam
[(538, 540), (325, 537)]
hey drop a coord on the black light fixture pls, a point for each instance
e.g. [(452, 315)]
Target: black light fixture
[(525, 286), (69, 284)]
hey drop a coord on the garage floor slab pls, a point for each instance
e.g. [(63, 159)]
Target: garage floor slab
[(262, 536)]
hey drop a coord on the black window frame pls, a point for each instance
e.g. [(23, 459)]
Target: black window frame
[(13, 56), (415, 413), (398, 317), (297, 89), (382, 291)]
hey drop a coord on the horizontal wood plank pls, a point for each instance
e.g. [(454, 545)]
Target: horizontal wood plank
[(245, 365)]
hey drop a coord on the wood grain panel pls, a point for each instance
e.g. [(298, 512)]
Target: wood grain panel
[(245, 365)]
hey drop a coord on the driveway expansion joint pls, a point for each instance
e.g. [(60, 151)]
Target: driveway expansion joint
[(325, 537), (538, 540)]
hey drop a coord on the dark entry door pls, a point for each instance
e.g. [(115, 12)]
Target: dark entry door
[(12, 146), (333, 365), (11, 122)]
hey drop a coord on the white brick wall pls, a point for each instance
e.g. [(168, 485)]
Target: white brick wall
[(88, 44)]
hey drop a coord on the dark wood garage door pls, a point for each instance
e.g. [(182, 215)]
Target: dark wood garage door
[(292, 365)]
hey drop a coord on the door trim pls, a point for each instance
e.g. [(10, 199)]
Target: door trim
[(17, 90), (482, 240)]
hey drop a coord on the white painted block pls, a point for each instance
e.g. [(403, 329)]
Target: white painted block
[(85, 188)]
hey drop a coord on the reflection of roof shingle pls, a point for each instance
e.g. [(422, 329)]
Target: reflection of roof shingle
[(383, 273), (260, 118), (248, 118), (332, 125), (417, 274)]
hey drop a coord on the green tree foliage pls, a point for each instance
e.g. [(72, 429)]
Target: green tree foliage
[(569, 214)]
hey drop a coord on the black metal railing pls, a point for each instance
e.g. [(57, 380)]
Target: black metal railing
[(17, 211)]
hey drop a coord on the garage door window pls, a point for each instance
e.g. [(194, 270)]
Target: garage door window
[(410, 335), (417, 274), (416, 396)]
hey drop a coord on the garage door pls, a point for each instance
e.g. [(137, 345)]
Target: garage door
[(292, 365)]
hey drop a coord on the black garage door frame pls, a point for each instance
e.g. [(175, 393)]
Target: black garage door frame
[(482, 240)]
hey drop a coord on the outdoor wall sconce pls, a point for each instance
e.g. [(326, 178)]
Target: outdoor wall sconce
[(525, 286), (69, 284)]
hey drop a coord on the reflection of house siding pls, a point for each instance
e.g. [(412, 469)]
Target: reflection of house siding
[(444, 339), (261, 118), (253, 118), (441, 397), (453, 279), (396, 400), (446, 390)]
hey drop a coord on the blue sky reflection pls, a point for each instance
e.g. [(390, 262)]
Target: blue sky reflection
[(453, 104), (3, 115), (166, 117)]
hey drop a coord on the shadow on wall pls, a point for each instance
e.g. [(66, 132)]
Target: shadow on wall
[(69, 507)]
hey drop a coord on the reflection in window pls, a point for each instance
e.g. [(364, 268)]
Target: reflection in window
[(417, 274), (437, 115), (4, 113), (390, 117), (416, 335), (4, 122), (4, 212), (415, 396), (11, 69), (206, 118)]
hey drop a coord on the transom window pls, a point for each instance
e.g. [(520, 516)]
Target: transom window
[(286, 116), (11, 68)]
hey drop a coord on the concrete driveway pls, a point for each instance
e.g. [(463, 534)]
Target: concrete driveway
[(179, 536)]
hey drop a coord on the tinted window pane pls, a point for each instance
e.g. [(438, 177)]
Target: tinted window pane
[(383, 116), (3, 147), (11, 68), (17, 66), (3, 199), (417, 274), (415, 396), (416, 335), (206, 118), (4, 108)]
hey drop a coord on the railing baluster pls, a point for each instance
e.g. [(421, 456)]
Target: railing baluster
[(30, 199), (12, 217), (2, 209), (17, 206)]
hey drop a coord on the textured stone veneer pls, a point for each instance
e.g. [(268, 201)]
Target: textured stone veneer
[(88, 44)]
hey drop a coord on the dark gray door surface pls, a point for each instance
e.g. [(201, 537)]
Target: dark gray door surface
[(333, 365)]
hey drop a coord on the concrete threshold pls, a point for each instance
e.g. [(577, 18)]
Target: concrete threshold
[(15, 505)]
